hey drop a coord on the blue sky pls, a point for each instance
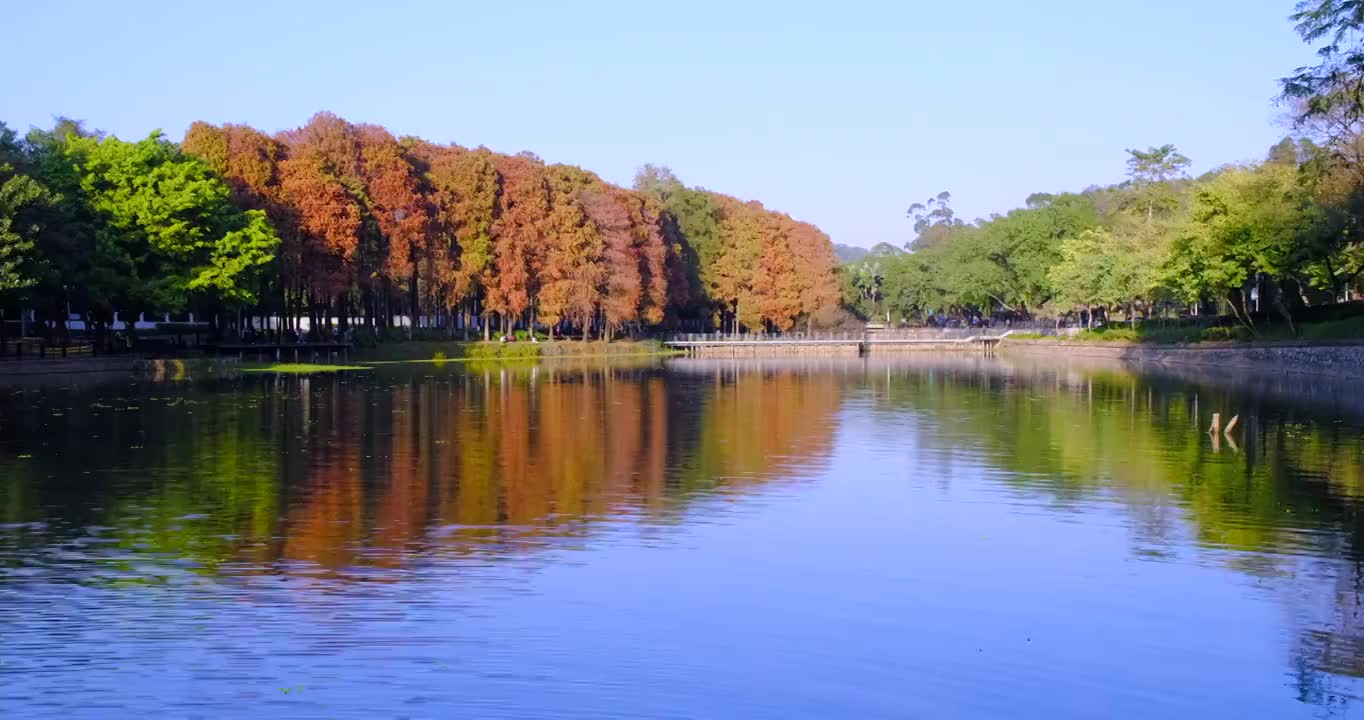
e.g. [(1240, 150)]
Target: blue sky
[(839, 113)]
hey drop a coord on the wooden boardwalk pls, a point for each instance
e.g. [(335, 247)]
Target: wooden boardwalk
[(845, 344), (293, 352)]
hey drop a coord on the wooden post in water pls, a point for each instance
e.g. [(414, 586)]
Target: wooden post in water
[(1216, 423), (1231, 424)]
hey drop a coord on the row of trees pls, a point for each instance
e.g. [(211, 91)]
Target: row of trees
[(1270, 236), (345, 224), (1277, 234)]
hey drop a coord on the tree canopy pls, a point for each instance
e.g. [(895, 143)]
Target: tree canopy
[(1270, 236), (346, 223)]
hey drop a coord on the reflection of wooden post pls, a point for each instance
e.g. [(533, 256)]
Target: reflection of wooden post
[(1216, 423)]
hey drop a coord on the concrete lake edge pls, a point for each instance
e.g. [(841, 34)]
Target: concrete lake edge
[(1338, 358), (1330, 358)]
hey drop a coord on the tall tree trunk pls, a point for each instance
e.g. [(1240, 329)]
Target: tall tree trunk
[(1236, 300), (1281, 307), (412, 301)]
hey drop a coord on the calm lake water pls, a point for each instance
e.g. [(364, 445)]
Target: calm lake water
[(927, 538)]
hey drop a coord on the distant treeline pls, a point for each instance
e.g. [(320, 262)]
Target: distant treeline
[(346, 224), (1272, 236)]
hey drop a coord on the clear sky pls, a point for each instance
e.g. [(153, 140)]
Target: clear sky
[(839, 112)]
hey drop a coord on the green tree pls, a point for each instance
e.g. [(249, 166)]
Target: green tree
[(913, 283), (65, 246), (1082, 277), (1284, 152), (1333, 88), (1137, 251), (1026, 243), (1244, 221), (934, 221), (21, 198), (864, 281), (1151, 171), (971, 276), (167, 226), (18, 194), (1332, 253)]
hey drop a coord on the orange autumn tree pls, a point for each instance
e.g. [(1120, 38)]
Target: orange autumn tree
[(816, 278), (742, 233), (436, 257), (399, 204), (248, 160), (320, 184), (572, 272), (622, 287), (775, 285), (650, 254), (464, 187), (651, 251), (517, 239), (385, 229), (635, 284)]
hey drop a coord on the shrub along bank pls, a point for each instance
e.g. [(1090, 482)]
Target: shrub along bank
[(420, 351)]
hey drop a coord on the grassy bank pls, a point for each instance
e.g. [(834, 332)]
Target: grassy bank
[(455, 351), (299, 368), (1331, 331)]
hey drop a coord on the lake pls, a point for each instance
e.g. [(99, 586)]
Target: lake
[(926, 537)]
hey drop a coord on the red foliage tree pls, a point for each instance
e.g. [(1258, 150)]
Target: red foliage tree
[(653, 253), (517, 237), (319, 182), (364, 214), (623, 286), (397, 200)]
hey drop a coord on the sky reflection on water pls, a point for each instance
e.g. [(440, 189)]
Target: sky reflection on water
[(921, 537)]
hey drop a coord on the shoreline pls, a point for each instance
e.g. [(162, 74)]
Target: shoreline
[(464, 351), (1328, 358), (1325, 358), (410, 352)]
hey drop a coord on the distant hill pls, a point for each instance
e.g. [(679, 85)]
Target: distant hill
[(849, 253), (885, 250)]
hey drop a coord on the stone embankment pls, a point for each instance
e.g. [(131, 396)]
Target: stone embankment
[(1342, 359)]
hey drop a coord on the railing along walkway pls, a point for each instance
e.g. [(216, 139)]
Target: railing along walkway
[(958, 336)]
